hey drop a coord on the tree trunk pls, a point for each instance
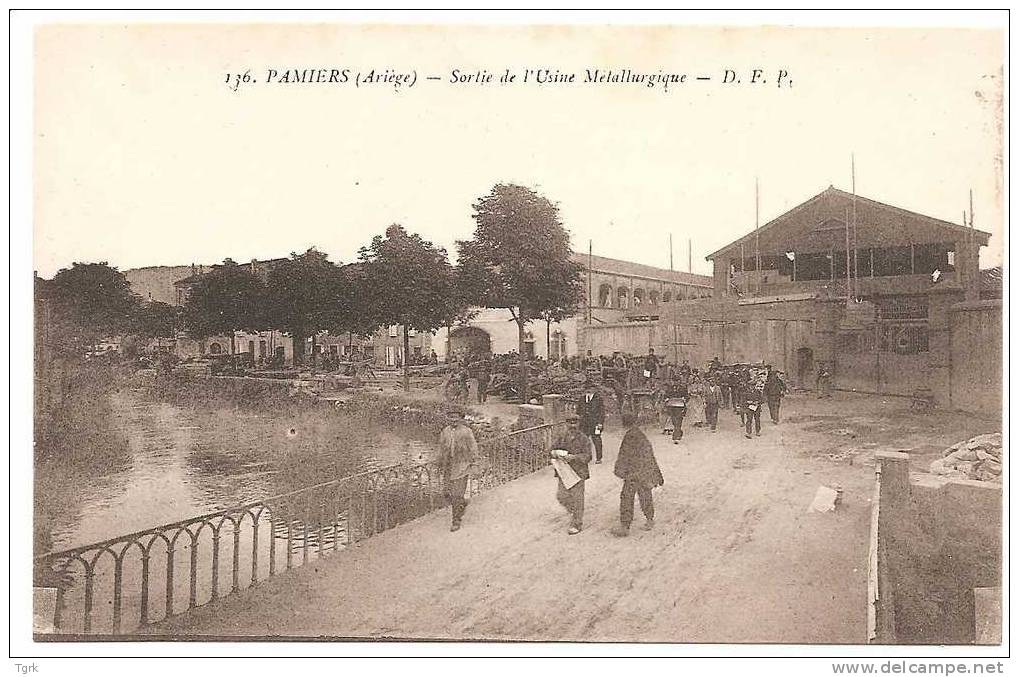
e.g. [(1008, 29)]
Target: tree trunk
[(314, 357), (522, 376), (298, 339), (548, 344), (406, 360), (233, 347)]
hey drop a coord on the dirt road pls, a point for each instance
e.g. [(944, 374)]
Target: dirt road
[(734, 556)]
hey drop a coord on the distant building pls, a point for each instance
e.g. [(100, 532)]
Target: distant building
[(913, 313), (893, 253), (620, 292)]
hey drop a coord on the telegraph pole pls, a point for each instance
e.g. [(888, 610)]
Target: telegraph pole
[(848, 278), (757, 234), (856, 244), (590, 264)]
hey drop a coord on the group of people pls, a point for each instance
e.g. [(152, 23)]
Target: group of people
[(472, 368), (741, 387), (576, 448), (690, 394)]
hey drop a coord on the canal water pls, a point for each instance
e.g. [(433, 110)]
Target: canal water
[(187, 461)]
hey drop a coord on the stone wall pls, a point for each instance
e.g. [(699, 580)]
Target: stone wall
[(976, 356), (938, 540)]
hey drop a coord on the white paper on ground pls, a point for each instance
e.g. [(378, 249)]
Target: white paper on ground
[(565, 472), (824, 500)]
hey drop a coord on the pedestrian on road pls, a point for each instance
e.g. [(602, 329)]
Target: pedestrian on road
[(824, 387), (484, 378), (774, 390), (712, 401), (574, 447), (676, 396), (637, 467), (591, 410), (458, 452), (695, 403), (752, 403), (651, 364)]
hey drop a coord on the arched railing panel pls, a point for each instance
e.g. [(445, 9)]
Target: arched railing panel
[(116, 586)]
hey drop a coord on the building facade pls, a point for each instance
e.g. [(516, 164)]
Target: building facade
[(616, 292), (892, 301)]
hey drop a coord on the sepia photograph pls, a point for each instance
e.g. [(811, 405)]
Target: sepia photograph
[(561, 329)]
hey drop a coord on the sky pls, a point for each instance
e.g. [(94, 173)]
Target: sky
[(144, 156)]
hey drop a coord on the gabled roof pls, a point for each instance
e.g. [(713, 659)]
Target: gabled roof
[(605, 264), (831, 192)]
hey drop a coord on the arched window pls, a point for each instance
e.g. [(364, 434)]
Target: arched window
[(638, 298), (215, 348), (667, 297), (605, 296), (623, 298), (652, 298)]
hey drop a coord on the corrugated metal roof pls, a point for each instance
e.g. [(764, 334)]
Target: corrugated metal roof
[(805, 208)]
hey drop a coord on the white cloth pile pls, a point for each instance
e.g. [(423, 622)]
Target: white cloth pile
[(975, 459)]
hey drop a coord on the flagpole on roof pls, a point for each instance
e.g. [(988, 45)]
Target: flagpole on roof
[(856, 245), (757, 234), (849, 278)]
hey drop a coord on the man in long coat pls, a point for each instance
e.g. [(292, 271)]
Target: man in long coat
[(574, 447), (591, 409), (458, 452), (637, 467)]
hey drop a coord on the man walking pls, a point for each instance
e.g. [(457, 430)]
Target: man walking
[(574, 447), (774, 390), (676, 396), (752, 403), (484, 378), (637, 467), (824, 381), (591, 410), (712, 401), (458, 451), (650, 367)]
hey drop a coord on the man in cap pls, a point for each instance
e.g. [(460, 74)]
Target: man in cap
[(574, 447), (458, 451), (774, 390), (591, 410)]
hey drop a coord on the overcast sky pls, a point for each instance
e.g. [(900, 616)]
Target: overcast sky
[(144, 156)]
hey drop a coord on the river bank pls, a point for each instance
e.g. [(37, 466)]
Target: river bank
[(135, 452)]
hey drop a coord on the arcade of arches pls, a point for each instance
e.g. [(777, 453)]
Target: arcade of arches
[(636, 294)]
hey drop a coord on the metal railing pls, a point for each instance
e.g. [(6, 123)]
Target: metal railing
[(119, 585)]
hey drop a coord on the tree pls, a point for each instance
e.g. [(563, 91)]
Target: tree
[(225, 300), (519, 259), (410, 282), (86, 303), (305, 295), (156, 320)]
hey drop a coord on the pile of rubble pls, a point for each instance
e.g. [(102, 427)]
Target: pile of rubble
[(975, 459)]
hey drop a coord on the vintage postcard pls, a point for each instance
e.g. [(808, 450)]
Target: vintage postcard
[(557, 331)]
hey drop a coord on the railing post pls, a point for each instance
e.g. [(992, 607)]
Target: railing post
[(237, 556), (193, 589), (118, 581), (145, 587), (169, 579), (215, 564), (255, 524)]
